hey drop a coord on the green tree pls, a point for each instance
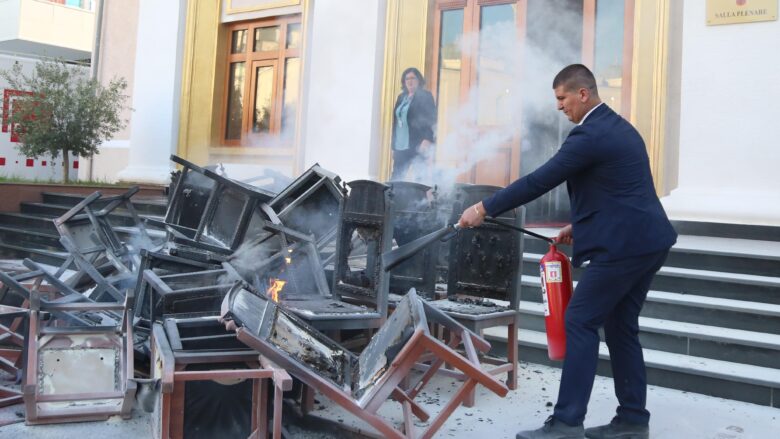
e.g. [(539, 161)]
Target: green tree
[(66, 112)]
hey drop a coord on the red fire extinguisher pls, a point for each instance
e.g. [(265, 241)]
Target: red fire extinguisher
[(556, 291)]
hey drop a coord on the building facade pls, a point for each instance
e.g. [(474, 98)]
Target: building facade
[(283, 84), (31, 30)]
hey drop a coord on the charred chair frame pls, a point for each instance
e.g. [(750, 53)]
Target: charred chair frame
[(368, 208), (12, 342), (173, 357), (213, 233), (463, 247), (48, 344), (161, 264), (94, 247), (293, 205), (415, 210), (375, 375)]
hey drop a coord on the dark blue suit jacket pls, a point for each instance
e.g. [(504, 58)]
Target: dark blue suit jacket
[(615, 212)]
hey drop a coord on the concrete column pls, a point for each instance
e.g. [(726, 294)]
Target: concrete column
[(343, 85), (156, 92), (728, 154)]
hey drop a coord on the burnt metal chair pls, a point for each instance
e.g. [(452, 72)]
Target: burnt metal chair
[(28, 290), (362, 384), (77, 373), (415, 212), (95, 249), (228, 212), (485, 266), (11, 346), (365, 233), (310, 205), (196, 293), (295, 276), (161, 264), (211, 384)]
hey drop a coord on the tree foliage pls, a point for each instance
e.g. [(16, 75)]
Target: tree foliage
[(66, 112)]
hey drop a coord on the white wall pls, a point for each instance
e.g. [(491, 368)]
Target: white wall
[(729, 151), (343, 83), (156, 91), (12, 162)]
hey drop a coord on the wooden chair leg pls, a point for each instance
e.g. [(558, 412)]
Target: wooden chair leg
[(512, 356), (307, 399)]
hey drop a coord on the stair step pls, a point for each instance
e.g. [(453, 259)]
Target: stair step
[(734, 255), (155, 205), (27, 238), (750, 347), (55, 258), (730, 313), (744, 382), (28, 222), (739, 286), (118, 217)]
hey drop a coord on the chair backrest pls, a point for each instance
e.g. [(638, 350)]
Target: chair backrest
[(415, 211), (365, 232), (486, 261), (310, 204)]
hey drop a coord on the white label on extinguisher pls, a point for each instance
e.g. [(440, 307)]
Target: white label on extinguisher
[(544, 292), (553, 272)]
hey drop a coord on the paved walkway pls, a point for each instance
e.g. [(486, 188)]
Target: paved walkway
[(675, 414)]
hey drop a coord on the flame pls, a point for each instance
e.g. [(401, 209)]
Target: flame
[(274, 287), (288, 259)]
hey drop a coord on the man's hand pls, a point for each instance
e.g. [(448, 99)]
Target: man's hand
[(472, 216), (564, 236)]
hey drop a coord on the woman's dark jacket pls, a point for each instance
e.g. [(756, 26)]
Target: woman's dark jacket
[(421, 117)]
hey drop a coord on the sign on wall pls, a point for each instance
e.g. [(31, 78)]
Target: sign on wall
[(740, 11)]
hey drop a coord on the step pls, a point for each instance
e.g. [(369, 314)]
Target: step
[(725, 379), (726, 255), (748, 256), (143, 205), (119, 217), (735, 314), (736, 286), (55, 258), (727, 344), (724, 230), (28, 222), (29, 238)]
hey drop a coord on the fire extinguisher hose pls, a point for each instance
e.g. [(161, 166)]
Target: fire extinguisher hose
[(519, 229)]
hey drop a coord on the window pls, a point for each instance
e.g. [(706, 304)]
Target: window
[(262, 83), (493, 64)]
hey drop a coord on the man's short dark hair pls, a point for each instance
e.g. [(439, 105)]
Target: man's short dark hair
[(575, 77)]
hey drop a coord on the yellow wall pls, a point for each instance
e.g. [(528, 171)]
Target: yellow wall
[(203, 79), (406, 45)]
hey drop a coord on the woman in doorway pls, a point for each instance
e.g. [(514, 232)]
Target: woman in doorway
[(414, 117)]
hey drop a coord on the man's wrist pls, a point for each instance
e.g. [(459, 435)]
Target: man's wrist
[(476, 209)]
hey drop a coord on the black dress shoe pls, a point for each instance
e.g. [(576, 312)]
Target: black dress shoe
[(553, 429), (618, 429)]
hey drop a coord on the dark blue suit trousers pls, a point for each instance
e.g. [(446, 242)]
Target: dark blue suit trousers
[(609, 294)]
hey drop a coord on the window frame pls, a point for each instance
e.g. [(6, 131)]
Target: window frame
[(251, 59)]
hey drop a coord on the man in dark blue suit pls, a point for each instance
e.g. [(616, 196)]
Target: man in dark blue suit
[(620, 227)]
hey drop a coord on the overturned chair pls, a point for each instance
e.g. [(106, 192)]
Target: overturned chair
[(361, 384), (101, 353), (212, 385)]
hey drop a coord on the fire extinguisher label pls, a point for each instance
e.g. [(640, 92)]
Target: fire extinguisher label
[(553, 272), (544, 292)]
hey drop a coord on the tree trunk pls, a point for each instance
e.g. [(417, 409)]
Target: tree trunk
[(65, 165)]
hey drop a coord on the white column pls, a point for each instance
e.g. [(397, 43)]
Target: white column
[(156, 92), (343, 87), (729, 164)]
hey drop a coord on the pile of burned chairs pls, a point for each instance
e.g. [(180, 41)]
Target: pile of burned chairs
[(207, 316)]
